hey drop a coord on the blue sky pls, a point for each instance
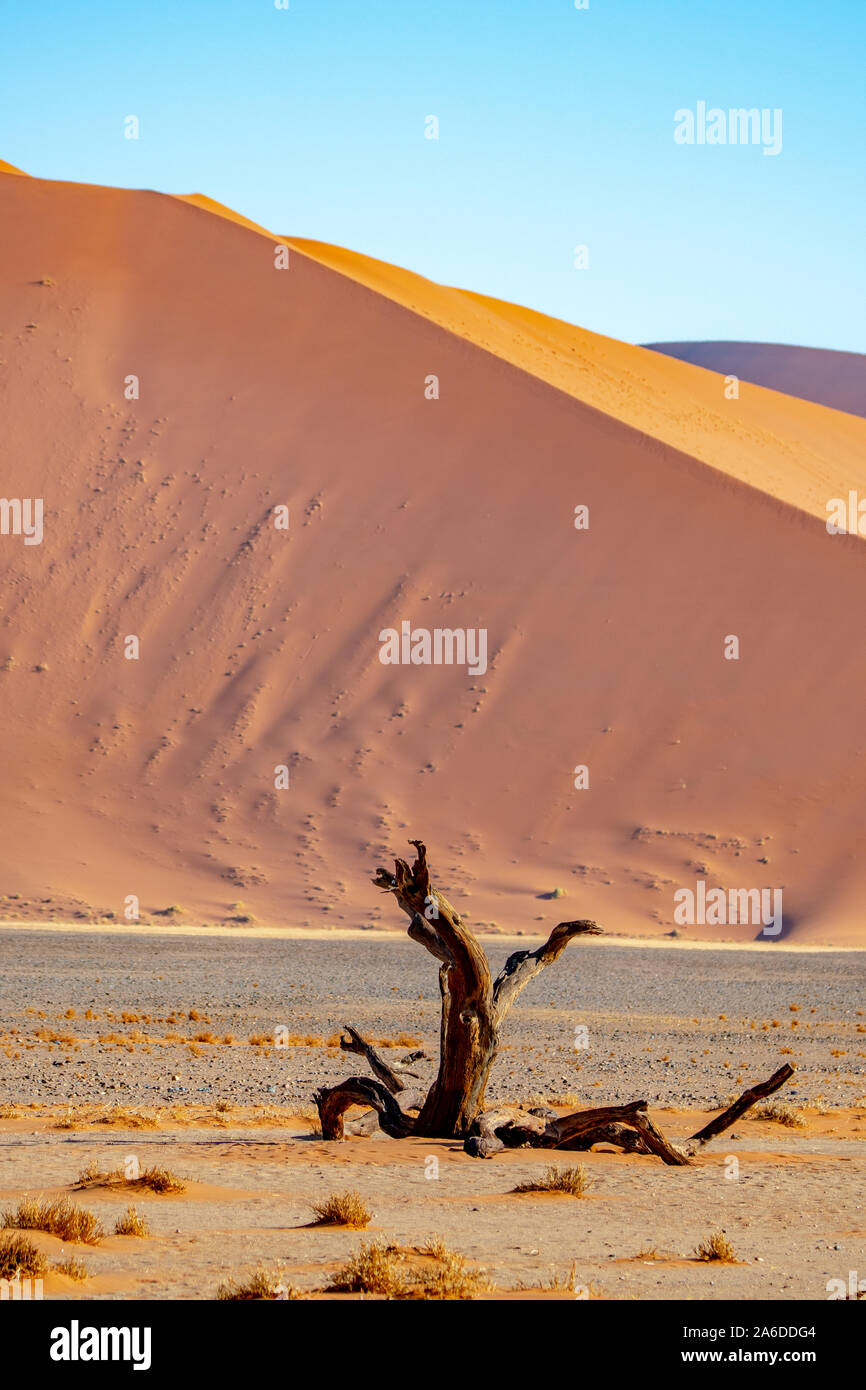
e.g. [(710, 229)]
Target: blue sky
[(556, 130)]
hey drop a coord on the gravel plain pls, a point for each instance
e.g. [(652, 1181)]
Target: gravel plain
[(608, 1022)]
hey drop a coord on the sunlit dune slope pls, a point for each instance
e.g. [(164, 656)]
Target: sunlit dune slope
[(835, 379), (748, 438)]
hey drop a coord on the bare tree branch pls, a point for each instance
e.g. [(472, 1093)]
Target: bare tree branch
[(740, 1106), (523, 966), (334, 1101), (499, 1129), (355, 1043)]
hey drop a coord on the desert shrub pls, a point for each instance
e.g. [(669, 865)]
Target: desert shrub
[(59, 1217), (20, 1257), (573, 1181), (263, 1284), (716, 1247), (781, 1111), (342, 1209), (377, 1268), (131, 1224), (158, 1180)]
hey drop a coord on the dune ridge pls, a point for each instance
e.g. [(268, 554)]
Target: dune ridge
[(835, 379)]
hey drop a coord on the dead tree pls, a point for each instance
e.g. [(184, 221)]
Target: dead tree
[(474, 1007)]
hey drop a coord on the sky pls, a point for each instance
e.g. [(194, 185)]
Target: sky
[(556, 131)]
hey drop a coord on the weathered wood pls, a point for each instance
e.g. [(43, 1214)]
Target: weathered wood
[(741, 1105), (353, 1042), (659, 1143), (488, 1129), (619, 1135), (500, 1129), (334, 1101), (368, 1123), (523, 966), (473, 1007), (467, 1035)]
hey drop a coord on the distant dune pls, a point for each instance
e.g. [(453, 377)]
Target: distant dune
[(259, 648), (836, 379)]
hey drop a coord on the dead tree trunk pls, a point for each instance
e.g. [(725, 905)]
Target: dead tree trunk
[(474, 1007), (473, 1004)]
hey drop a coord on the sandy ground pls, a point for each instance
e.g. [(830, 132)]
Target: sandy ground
[(234, 1118), (794, 1214)]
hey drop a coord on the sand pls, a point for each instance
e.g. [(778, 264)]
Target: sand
[(836, 379), (96, 1069), (794, 1214)]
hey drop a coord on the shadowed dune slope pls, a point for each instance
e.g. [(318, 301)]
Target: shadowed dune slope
[(835, 379), (259, 648)]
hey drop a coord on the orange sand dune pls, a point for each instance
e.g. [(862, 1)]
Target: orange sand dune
[(747, 438), (837, 379), (259, 648)]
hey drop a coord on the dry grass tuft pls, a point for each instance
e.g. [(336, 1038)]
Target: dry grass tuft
[(716, 1247), (131, 1224), (389, 1272), (567, 1099), (60, 1217), (158, 1180), (73, 1268), (375, 1268), (82, 1117), (574, 1182), (451, 1278), (343, 1209), (261, 1285), (20, 1257), (782, 1112), (564, 1283), (567, 1282)]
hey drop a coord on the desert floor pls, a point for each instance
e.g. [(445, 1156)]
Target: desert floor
[(686, 1028)]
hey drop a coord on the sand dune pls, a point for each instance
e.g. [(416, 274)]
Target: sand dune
[(259, 648), (836, 379), (749, 439)]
